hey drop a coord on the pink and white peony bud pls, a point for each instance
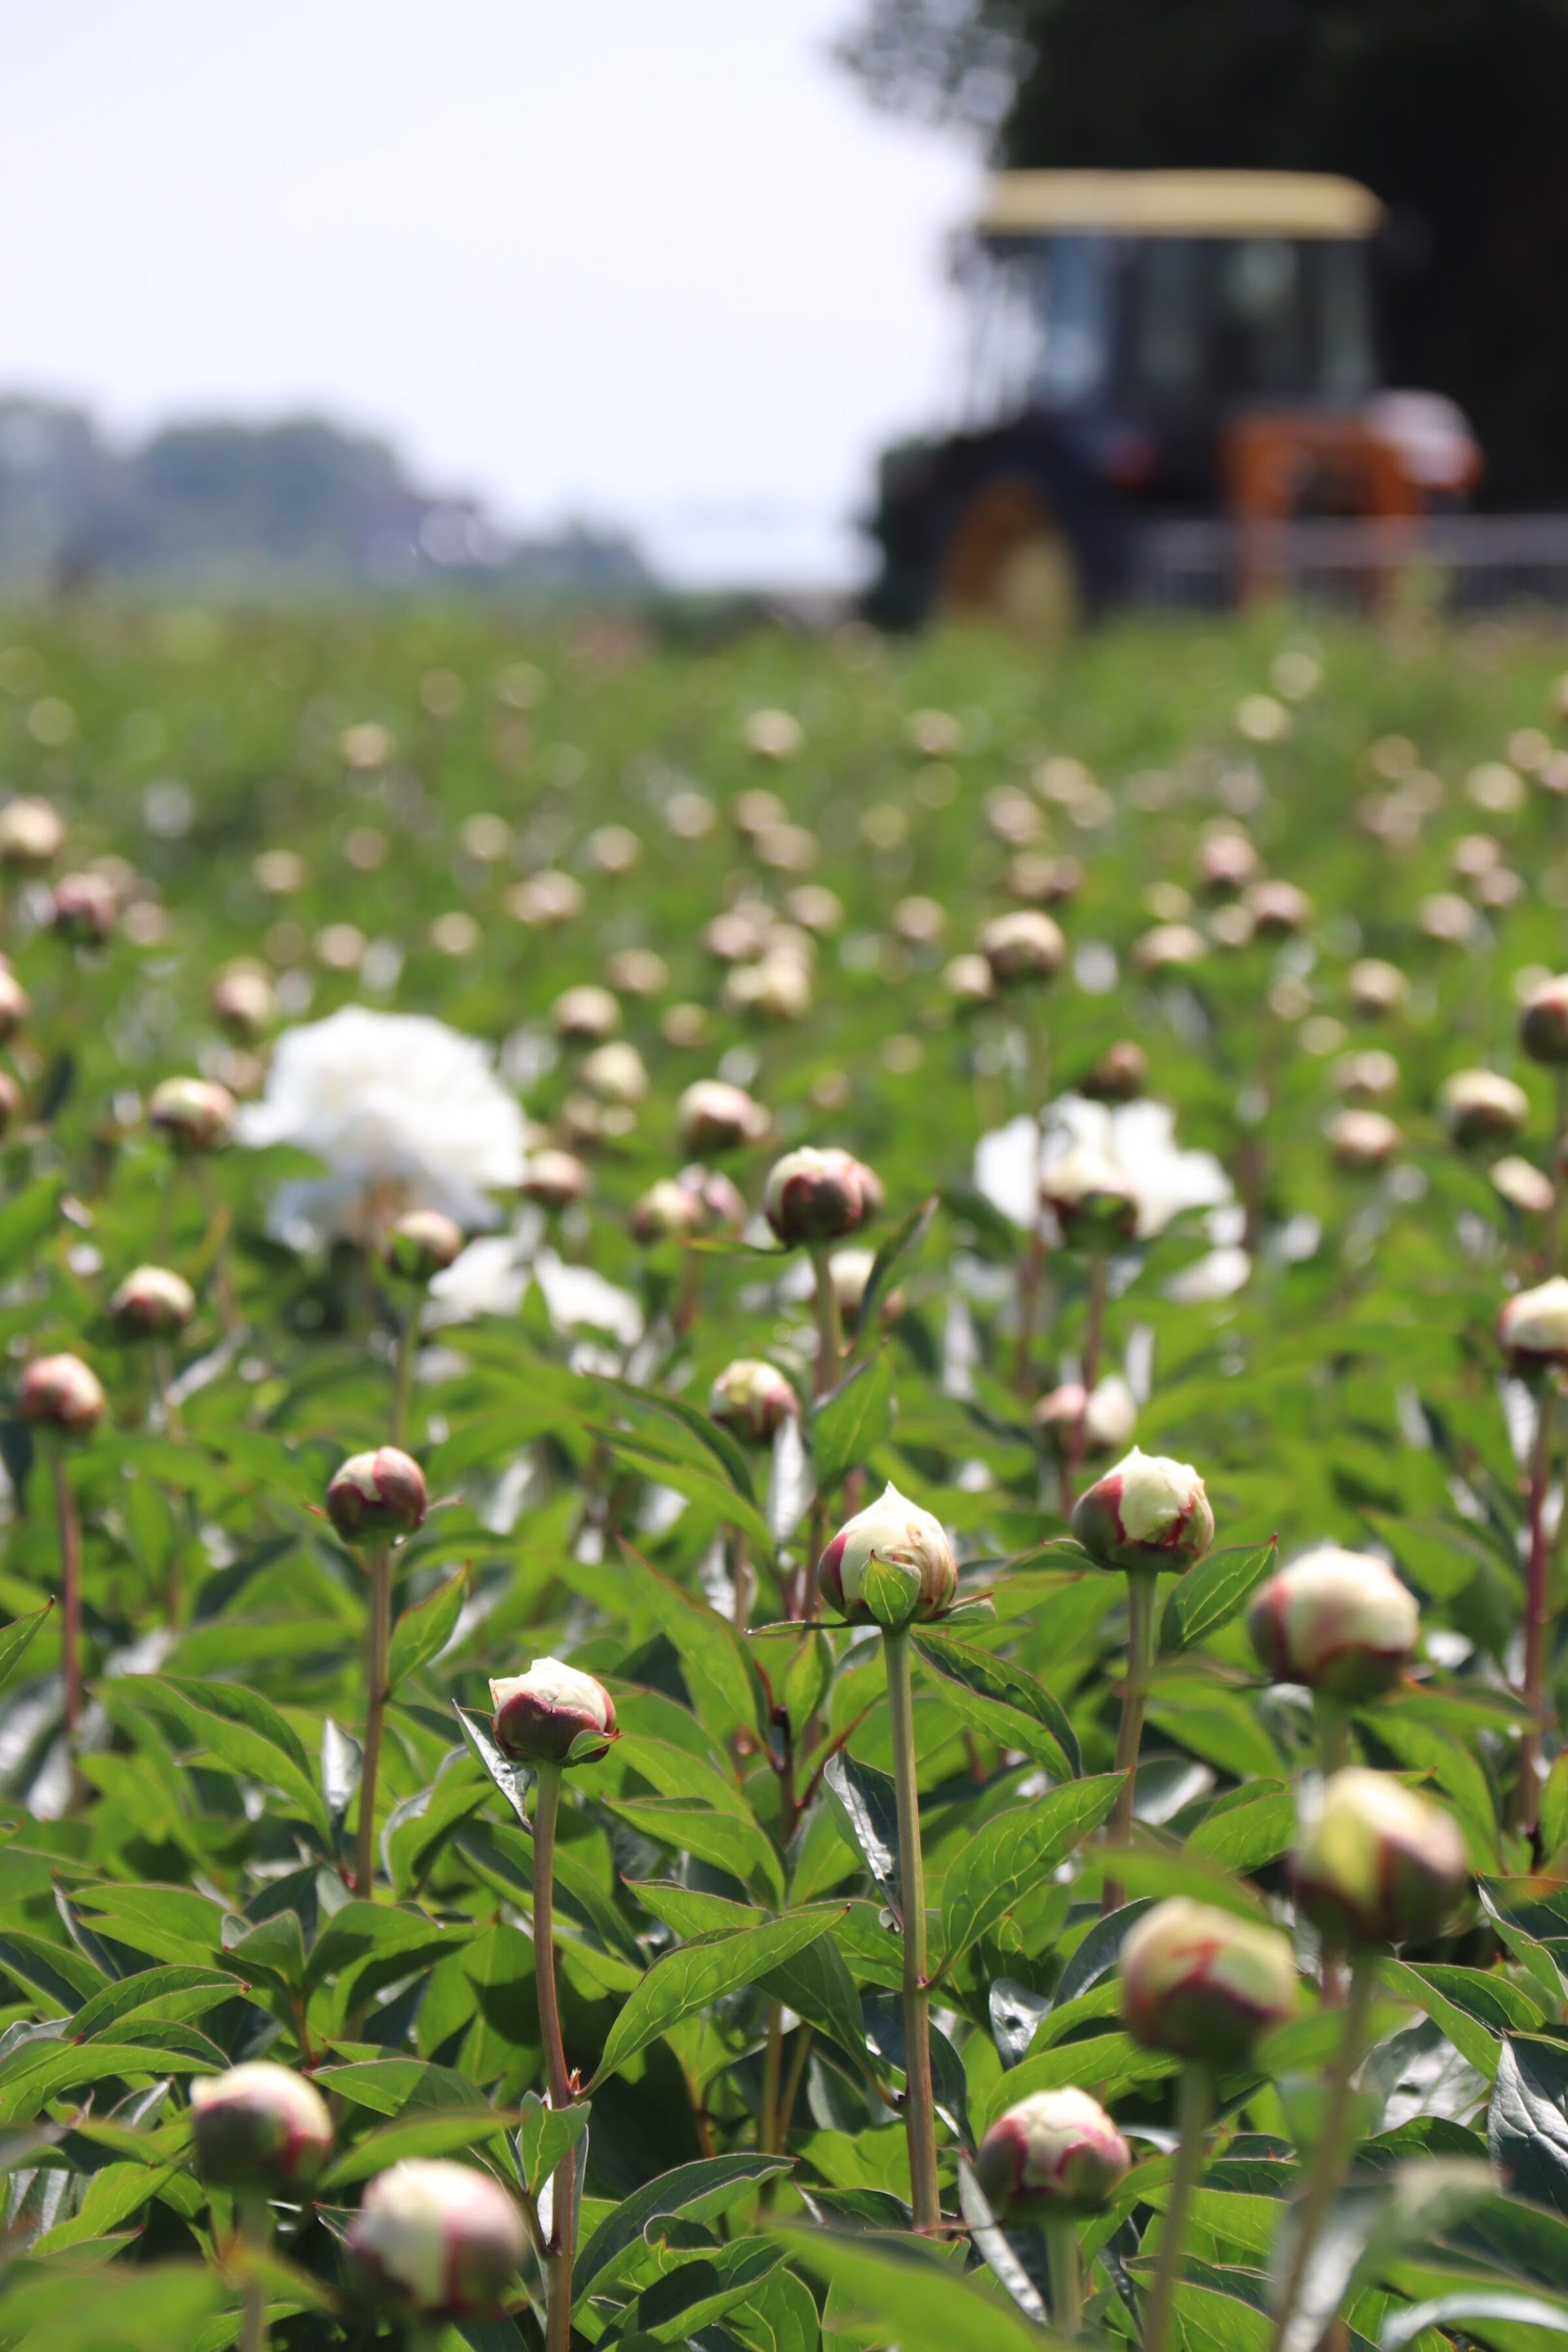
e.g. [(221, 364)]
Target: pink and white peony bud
[(1533, 1327), (243, 1003), (967, 980), (555, 1180), (1107, 1418), (849, 1272), (1120, 1074), (31, 834), (712, 1115), (439, 2238), (1277, 909), (1023, 946), (84, 909), (1376, 987), (889, 1564), (616, 1072), (1339, 1621), (1523, 1185), (752, 1399), (1228, 861), (723, 1204), (1543, 1022), (1205, 1984), (61, 1392), (1148, 1513), (14, 1005), (1361, 1141), (191, 1114), (817, 1196), (669, 1211), (585, 1017), (1369, 1077), (776, 989), (421, 1245), (552, 1715), (153, 1302), (1091, 1200), (259, 2126), (1056, 2152), (1480, 1107), (1379, 1864), (372, 1498)]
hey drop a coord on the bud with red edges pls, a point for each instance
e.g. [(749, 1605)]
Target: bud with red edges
[(1148, 1513), (84, 909), (421, 1245), (753, 1399), (1533, 1329), (819, 1196), (1056, 2152), (712, 1115), (259, 2126), (1339, 1621), (552, 1715), (372, 1498), (193, 1115), (1380, 1863), (441, 2240), (61, 1392), (1205, 1984), (889, 1565), (153, 1302)]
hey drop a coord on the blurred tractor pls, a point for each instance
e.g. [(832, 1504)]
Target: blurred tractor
[(1156, 354)]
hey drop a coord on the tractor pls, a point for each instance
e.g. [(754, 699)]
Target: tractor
[(1155, 353)]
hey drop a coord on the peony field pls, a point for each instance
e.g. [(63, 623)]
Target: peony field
[(782, 1449)]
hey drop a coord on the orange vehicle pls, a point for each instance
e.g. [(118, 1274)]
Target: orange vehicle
[(1153, 350)]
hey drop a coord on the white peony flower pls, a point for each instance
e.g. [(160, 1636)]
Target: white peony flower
[(404, 1112), (1138, 1138)]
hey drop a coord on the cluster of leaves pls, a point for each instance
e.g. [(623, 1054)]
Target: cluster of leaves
[(177, 1897)]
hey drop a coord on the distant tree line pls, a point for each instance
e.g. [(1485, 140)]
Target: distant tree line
[(1452, 111)]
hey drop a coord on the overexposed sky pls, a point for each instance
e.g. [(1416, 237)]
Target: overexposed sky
[(652, 261)]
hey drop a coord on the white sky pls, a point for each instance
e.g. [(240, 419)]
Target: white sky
[(653, 261)]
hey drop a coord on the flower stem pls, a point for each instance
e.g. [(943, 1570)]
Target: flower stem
[(829, 1338), (1332, 2153), (563, 2217), (1141, 1589), (1527, 1788), (1334, 1755), (1093, 1342), (70, 1594), (1067, 2282), (1559, 1180), (254, 2218), (1194, 2100), (773, 2070), (920, 2104), (378, 1649), (403, 1394)]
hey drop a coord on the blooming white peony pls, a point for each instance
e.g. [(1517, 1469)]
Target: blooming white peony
[(404, 1112)]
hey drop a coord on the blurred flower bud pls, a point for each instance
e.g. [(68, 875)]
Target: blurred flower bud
[(1058, 2151), (1147, 1513), (1339, 1621), (1523, 1185), (776, 989), (712, 1115), (738, 935), (1091, 1199), (1277, 909), (421, 1245), (919, 921), (772, 735), (1380, 1863), (436, 2238), (546, 899), (1478, 1107), (616, 1072), (1376, 987), (639, 971), (967, 980), (14, 1003), (1108, 1418), (669, 1211), (849, 1272), (61, 1392), (1120, 1074), (1025, 945), (1226, 862), (10, 1100), (1369, 1077), (373, 1496), (242, 1000), (1169, 947), (259, 2126), (891, 1564), (1361, 1141), (1205, 1984), (153, 1303), (752, 1399), (1543, 1022), (192, 1115), (555, 1180), (818, 1196), (85, 907), (552, 1715), (31, 834), (723, 1204), (585, 1017), (1533, 1327)]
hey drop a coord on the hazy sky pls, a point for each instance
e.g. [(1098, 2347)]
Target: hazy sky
[(652, 260)]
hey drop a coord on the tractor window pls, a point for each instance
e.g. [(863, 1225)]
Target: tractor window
[(1347, 367), (1042, 311), (1261, 317), (1220, 318)]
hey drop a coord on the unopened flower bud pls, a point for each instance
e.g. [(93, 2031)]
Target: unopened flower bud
[(1025, 945), (31, 832), (967, 980), (1376, 987), (1226, 861), (585, 1017), (1107, 1418), (243, 1003), (1533, 1327), (1361, 1141), (712, 1115), (890, 1563), (1543, 1022), (191, 1114), (1478, 1107), (669, 1211), (14, 1005), (849, 1272), (723, 1204), (1091, 1199), (1523, 1185), (85, 907), (1056, 2152), (10, 1100), (616, 1072), (1380, 1863), (372, 1497), (421, 1245), (153, 1303), (1205, 1984), (1120, 1074), (439, 2239), (552, 1715), (776, 989), (555, 1180), (1339, 1621), (1148, 1513), (259, 2126), (1368, 1077), (1169, 947), (61, 1392), (752, 1399), (817, 1196), (1277, 909)]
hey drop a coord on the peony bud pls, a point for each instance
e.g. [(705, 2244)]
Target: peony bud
[(259, 2126), (967, 980), (1533, 1327), (439, 2239), (616, 1072), (585, 1017), (10, 1100), (1147, 1513), (1376, 987), (1226, 861), (1369, 1077), (555, 1180), (31, 832), (1543, 1022), (1277, 909), (1057, 2152), (1478, 1107), (669, 1211), (243, 1003), (1361, 1141), (777, 989), (1120, 1074), (712, 1115), (61, 1392), (890, 1563), (1523, 1185), (1205, 1984), (14, 1005), (552, 1715), (724, 1205), (1340, 1621), (373, 1496), (1169, 947), (192, 1114), (849, 1272), (1091, 1199), (1023, 946), (1380, 1863), (1108, 1418), (818, 1196), (153, 1303), (422, 1244), (752, 1399), (85, 907)]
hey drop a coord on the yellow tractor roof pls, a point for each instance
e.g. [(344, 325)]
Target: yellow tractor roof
[(1179, 204)]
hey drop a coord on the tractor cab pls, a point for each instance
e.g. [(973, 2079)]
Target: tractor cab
[(1149, 344)]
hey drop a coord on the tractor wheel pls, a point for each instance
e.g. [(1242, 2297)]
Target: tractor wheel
[(1010, 558)]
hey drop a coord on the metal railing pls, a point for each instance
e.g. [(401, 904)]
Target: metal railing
[(1464, 562)]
